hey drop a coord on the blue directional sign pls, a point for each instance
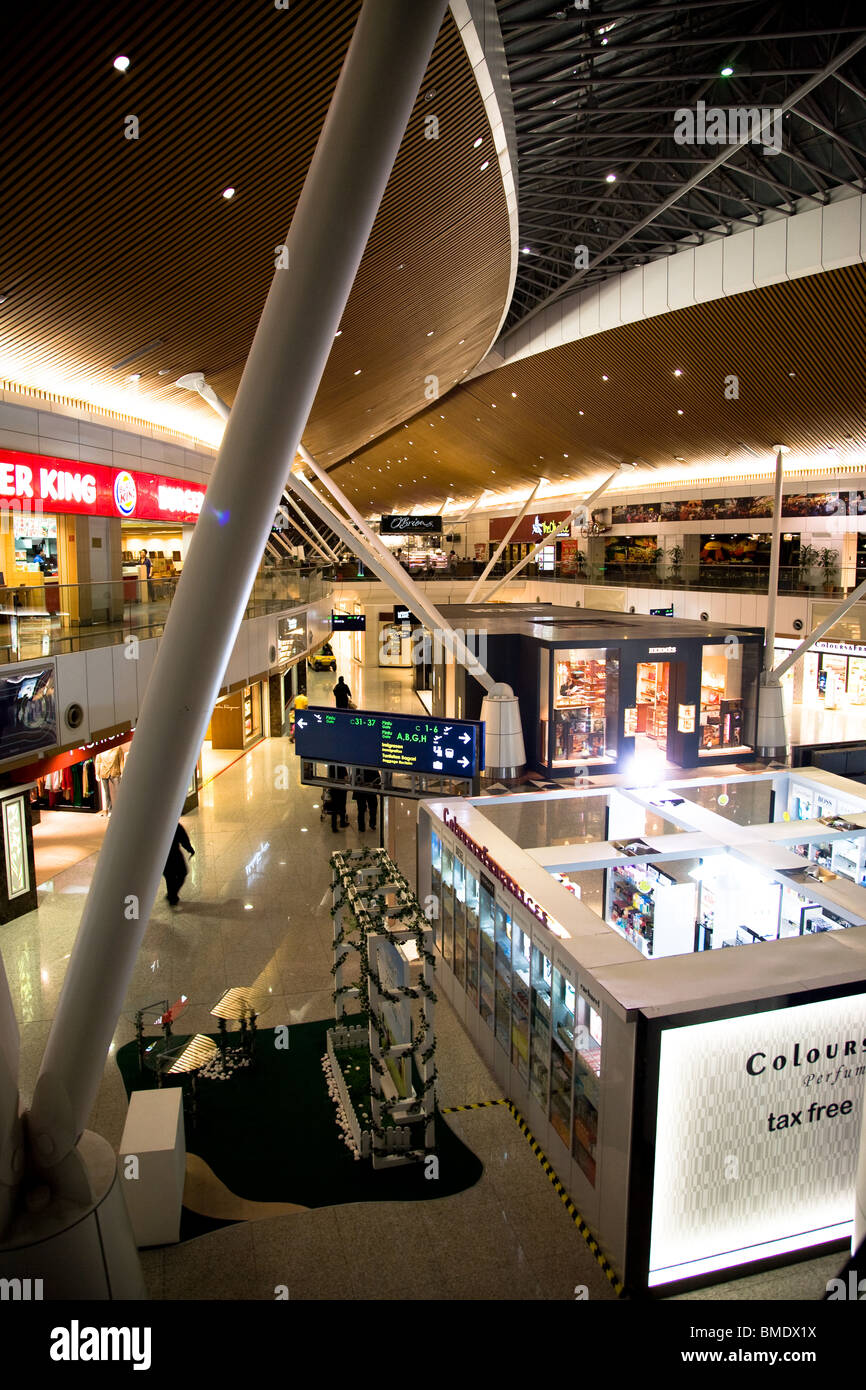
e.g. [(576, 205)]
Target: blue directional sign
[(405, 742)]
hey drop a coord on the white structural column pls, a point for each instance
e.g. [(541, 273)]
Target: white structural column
[(775, 550), (583, 505), (387, 58), (502, 544), (404, 585), (303, 526)]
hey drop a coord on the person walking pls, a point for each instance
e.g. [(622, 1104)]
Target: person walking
[(175, 870), (367, 802), (337, 799), (342, 694)]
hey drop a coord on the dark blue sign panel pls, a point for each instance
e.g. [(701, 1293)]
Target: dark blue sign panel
[(348, 622), (406, 742)]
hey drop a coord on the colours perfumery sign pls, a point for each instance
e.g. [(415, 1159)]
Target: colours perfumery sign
[(756, 1136)]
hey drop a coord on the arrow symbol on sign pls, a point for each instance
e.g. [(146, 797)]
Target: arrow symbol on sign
[(464, 762), (465, 738), (301, 723)]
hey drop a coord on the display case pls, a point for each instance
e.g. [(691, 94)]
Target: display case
[(539, 1056), (520, 949), (579, 707), (472, 914), (562, 1057), (459, 920), (503, 978), (486, 986), (447, 914)]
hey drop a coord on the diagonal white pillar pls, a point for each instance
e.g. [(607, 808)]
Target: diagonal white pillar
[(583, 505), (503, 543), (388, 55)]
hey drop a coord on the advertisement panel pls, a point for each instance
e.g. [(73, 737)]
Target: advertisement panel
[(757, 1133), (42, 483), (534, 526)]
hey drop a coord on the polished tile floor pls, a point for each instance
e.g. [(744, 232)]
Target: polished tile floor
[(255, 911)]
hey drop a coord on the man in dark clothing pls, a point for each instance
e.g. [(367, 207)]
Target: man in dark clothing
[(367, 801), (337, 799), (342, 694), (175, 870)]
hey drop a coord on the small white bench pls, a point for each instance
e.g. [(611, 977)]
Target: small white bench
[(154, 1136)]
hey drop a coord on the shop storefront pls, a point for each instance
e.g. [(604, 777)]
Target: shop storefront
[(68, 523), (606, 690), (653, 1067), (831, 675), (236, 721)]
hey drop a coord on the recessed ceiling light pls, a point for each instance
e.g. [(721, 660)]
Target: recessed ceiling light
[(526, 250), (604, 378), (492, 405), (430, 334), (338, 333), (121, 63), (462, 341), (358, 372), (610, 178), (678, 458), (478, 142), (135, 376), (565, 456), (164, 371), (485, 165), (727, 72), (679, 412), (514, 394), (228, 193), (580, 412), (678, 371)]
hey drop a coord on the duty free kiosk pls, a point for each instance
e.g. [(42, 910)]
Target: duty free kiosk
[(663, 1089)]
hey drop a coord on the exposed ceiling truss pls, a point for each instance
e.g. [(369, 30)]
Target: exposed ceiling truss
[(596, 91)]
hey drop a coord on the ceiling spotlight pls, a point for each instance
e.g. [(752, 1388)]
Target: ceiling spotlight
[(477, 142), (604, 378), (610, 178), (338, 333), (677, 371), (679, 412), (228, 193), (121, 63), (485, 165), (727, 72), (358, 372), (526, 250), (135, 376)]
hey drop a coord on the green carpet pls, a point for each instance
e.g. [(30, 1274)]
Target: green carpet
[(270, 1134)]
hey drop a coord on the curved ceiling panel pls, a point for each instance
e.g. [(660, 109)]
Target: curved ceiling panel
[(123, 257), (652, 392)]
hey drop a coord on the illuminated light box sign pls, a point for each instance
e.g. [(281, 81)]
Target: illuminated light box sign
[(410, 526), (348, 622), (368, 738), (757, 1132), (60, 485)]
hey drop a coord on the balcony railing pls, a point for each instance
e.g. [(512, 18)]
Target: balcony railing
[(47, 620)]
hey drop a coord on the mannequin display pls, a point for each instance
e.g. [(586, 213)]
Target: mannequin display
[(109, 770)]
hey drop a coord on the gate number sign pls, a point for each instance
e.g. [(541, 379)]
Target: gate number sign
[(370, 738)]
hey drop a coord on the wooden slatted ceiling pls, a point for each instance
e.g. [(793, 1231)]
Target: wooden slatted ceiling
[(109, 244), (795, 348)]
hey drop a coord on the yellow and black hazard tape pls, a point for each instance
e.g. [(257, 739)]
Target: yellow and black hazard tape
[(601, 1259), (610, 1273), (475, 1105)]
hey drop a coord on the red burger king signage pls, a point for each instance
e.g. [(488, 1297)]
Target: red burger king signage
[(39, 482)]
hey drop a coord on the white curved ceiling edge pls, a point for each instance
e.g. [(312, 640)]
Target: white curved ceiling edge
[(782, 248), (481, 37)]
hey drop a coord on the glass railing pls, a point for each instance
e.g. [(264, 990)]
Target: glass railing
[(731, 577), (50, 618)]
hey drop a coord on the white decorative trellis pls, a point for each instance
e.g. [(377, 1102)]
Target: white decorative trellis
[(379, 926)]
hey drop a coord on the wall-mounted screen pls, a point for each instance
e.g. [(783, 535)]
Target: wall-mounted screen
[(28, 711)]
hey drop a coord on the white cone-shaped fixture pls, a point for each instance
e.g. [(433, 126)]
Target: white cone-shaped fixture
[(772, 733), (504, 753)]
